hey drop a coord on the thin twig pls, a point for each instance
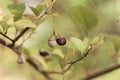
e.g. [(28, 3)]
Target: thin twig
[(100, 73), (73, 62), (17, 51), (44, 73), (6, 36), (19, 36), (31, 62), (26, 29)]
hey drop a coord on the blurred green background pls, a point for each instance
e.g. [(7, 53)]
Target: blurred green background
[(108, 54)]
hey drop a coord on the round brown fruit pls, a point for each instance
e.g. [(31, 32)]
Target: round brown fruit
[(44, 53), (60, 40)]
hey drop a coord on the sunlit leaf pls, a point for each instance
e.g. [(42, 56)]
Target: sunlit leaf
[(86, 42), (47, 2), (97, 41), (25, 23), (79, 44), (2, 14), (43, 3), (55, 15), (10, 21), (5, 3), (58, 52), (4, 24), (83, 17), (30, 17)]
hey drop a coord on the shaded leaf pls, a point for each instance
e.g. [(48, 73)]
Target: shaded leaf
[(39, 8), (115, 40), (34, 10), (16, 14), (20, 7), (83, 17)]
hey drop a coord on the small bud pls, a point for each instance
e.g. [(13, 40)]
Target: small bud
[(60, 40), (46, 12), (52, 41), (43, 53), (20, 60)]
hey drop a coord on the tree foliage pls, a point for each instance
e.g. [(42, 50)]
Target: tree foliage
[(58, 41)]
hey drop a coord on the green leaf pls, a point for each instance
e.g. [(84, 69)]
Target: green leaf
[(30, 17), (4, 14), (83, 17), (16, 14), (34, 10), (20, 7), (10, 21), (5, 3), (58, 52), (39, 8), (115, 40), (25, 23), (97, 41), (79, 44), (4, 26), (86, 42)]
